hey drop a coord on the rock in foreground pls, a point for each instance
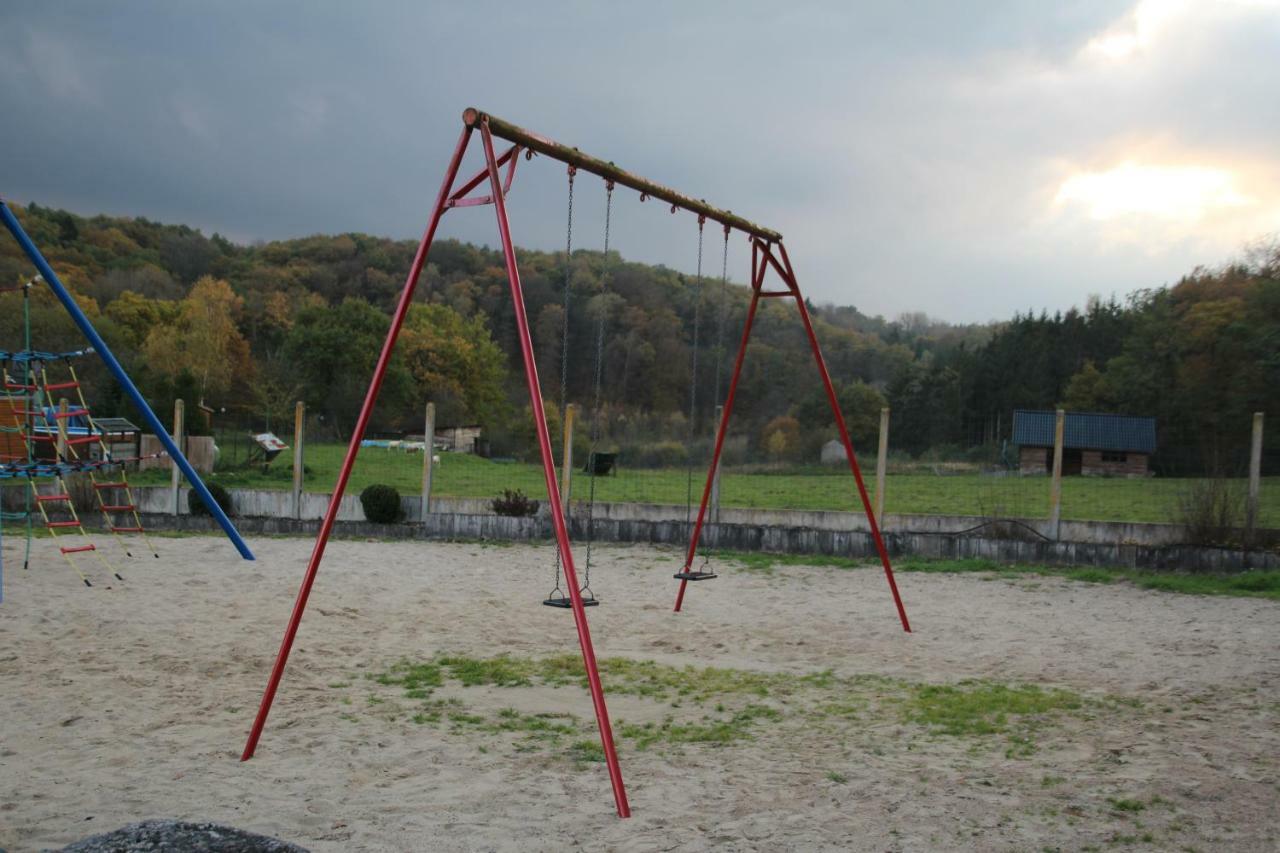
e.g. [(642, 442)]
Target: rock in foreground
[(152, 836)]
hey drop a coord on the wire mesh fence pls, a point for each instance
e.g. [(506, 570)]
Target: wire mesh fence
[(658, 461)]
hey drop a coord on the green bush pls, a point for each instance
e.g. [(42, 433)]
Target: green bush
[(514, 503), (381, 504), (196, 506), (660, 454)]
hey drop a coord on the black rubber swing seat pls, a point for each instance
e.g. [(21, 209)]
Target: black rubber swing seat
[(695, 576), (567, 603)]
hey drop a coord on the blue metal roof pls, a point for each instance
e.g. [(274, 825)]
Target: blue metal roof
[(1085, 431)]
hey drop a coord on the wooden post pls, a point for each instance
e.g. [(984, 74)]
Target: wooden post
[(566, 462), (715, 482), (62, 429), (1055, 485), (882, 463), (1255, 478), (179, 433), (299, 423), (428, 454)]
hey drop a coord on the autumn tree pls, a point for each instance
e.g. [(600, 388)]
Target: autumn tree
[(203, 340)]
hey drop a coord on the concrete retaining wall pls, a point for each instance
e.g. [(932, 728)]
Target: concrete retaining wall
[(826, 533), (275, 504)]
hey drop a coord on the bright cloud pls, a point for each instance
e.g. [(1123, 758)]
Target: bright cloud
[(1186, 193)]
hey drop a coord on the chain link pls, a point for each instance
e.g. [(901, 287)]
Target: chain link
[(598, 384), (693, 384), (564, 343)]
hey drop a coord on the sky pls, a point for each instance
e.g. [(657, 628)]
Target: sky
[(967, 160)]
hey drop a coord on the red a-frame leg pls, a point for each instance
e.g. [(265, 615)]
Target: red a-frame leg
[(761, 259), (444, 202), (553, 488)]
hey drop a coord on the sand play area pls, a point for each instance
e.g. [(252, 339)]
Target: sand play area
[(784, 709)]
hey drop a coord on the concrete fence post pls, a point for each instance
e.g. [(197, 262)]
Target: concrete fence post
[(566, 461), (299, 469), (1055, 484), (1255, 479), (715, 480), (882, 464), (428, 455), (179, 436)]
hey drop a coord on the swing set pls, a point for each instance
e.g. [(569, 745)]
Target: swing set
[(767, 253)]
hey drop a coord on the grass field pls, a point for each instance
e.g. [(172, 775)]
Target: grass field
[(460, 475)]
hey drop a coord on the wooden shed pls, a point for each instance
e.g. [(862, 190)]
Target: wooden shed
[(1092, 445)]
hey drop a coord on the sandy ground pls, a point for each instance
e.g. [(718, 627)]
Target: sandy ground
[(132, 701)]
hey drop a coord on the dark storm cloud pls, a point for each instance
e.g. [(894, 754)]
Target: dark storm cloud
[(908, 151)]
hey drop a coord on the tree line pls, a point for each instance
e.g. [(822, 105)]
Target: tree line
[(247, 330)]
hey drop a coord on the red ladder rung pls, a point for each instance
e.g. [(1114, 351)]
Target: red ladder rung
[(60, 386), (45, 498), (78, 548), (62, 524), (69, 413), (126, 530), (13, 386), (84, 439), (111, 485)]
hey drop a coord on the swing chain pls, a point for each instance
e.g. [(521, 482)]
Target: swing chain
[(564, 340), (598, 381), (693, 382)]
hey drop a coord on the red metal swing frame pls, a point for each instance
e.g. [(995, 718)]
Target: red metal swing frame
[(767, 252)]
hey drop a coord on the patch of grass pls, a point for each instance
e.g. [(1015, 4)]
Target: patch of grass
[(1121, 804), (722, 706), (718, 732), (838, 778), (765, 563), (1250, 584), (587, 752), (502, 671), (417, 679), (977, 708)]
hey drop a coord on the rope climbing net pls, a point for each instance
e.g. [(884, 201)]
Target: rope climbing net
[(53, 447)]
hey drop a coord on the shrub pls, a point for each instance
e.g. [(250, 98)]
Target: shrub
[(196, 506), (780, 438), (514, 503), (1212, 510), (381, 504), (660, 454)]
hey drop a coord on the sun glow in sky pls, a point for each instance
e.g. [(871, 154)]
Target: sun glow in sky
[(1170, 192)]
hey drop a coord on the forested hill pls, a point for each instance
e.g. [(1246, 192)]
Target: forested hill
[(250, 329)]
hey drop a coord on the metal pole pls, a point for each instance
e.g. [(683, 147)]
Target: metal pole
[(179, 439), (757, 275), (473, 117), (344, 474), (566, 462), (1255, 477), (844, 432), (549, 474), (1055, 482), (113, 365), (882, 463), (428, 464), (715, 485), (299, 469)]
